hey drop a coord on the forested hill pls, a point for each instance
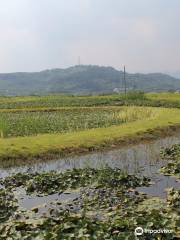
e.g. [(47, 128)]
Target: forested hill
[(83, 80)]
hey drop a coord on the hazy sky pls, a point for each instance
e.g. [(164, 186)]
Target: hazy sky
[(40, 34)]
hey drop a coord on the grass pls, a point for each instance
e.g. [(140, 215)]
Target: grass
[(173, 97), (50, 145)]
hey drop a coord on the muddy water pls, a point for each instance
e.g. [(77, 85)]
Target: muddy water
[(143, 159)]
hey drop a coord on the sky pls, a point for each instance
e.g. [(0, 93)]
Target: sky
[(144, 35)]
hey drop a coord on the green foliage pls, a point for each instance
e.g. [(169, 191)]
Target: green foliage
[(65, 120), (53, 182)]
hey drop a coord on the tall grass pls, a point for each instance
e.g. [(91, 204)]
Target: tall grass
[(135, 113)]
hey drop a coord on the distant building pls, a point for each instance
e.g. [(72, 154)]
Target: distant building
[(116, 90), (120, 90)]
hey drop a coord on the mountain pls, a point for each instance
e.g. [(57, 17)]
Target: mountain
[(175, 74), (83, 80)]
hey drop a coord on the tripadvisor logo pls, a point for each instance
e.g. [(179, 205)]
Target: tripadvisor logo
[(139, 231)]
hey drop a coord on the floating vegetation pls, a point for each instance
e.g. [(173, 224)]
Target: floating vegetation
[(8, 204), (106, 206), (172, 152), (53, 182), (173, 167), (174, 199)]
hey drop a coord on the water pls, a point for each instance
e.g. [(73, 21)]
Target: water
[(44, 203), (143, 159)]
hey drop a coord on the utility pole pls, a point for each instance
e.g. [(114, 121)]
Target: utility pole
[(125, 86)]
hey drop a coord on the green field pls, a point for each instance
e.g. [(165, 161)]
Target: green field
[(46, 127), (168, 97), (46, 146), (56, 101)]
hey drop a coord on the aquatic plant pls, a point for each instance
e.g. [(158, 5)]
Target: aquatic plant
[(53, 182), (108, 206), (173, 166), (8, 204)]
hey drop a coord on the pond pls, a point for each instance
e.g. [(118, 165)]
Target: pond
[(105, 195), (142, 159)]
